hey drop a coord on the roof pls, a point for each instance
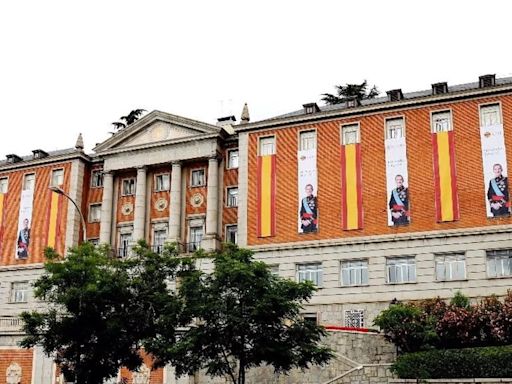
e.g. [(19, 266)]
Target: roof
[(52, 155)]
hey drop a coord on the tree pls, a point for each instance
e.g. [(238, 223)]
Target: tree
[(245, 317), (129, 119), (100, 309), (349, 92)]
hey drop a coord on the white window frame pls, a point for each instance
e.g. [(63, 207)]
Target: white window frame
[(159, 245), (307, 140), (389, 126), (310, 316), (347, 129), (484, 107), (229, 164), (19, 295), (195, 241), (100, 173), (129, 193), (232, 200), (438, 115), (125, 246), (351, 269), (274, 269), (266, 145), (349, 321), (227, 231), (305, 272), (4, 184), (451, 264), (90, 217), (55, 172), (164, 186), (501, 258), (94, 241), (25, 177), (203, 181), (403, 266)]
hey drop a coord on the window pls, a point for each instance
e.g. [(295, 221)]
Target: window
[(232, 234), (490, 115), (232, 197), (128, 187), (310, 318), (125, 240), (195, 238), (29, 182), (310, 272), (94, 213), (233, 158), (274, 269), (395, 128), (162, 182), (19, 292), (401, 270), (450, 267), (97, 179), (441, 122), (267, 146), (197, 178), (307, 140), (354, 272), (499, 263), (350, 134), (4, 184), (94, 242), (57, 177), (159, 237), (354, 318)]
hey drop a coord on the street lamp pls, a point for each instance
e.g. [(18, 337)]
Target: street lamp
[(59, 191)]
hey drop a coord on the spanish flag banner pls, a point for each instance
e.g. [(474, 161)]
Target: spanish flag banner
[(447, 202), (2, 204), (352, 201), (266, 195), (53, 219)]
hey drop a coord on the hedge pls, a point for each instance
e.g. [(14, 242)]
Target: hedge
[(483, 362)]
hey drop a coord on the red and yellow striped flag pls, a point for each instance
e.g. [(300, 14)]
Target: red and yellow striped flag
[(2, 203), (266, 195), (352, 199), (53, 216), (447, 201)]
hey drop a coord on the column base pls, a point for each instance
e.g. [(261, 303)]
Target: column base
[(210, 243)]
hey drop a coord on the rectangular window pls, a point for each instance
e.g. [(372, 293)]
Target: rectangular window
[(441, 122), (232, 197), (162, 182), (310, 272), (274, 269), (267, 146), (195, 238), (395, 128), (4, 184), (19, 292), (233, 158), (159, 238), (310, 318), (307, 140), (94, 242), (29, 182), (125, 241), (354, 272), (232, 234), (499, 263), (401, 270), (354, 318), (350, 134), (97, 179), (94, 213), (450, 267), (128, 187), (490, 115), (57, 177), (197, 178)]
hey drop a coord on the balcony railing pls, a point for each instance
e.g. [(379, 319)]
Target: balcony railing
[(191, 247), (10, 324), (123, 252), (158, 248)]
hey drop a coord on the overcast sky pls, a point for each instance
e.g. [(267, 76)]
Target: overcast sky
[(75, 66)]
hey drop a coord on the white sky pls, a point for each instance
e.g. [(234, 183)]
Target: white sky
[(75, 66)]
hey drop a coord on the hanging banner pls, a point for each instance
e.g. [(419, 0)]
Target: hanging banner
[(351, 187), (266, 195), (447, 201), (397, 179), (53, 219), (308, 203), (2, 219), (494, 160), (24, 224)]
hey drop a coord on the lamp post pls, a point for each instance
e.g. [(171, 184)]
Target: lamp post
[(59, 191)]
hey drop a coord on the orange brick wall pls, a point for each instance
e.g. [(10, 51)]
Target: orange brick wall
[(91, 196), (156, 376), (229, 214), (23, 357), (155, 213), (421, 179), (122, 200)]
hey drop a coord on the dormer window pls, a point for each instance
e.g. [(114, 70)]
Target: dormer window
[(439, 88), (311, 108), (39, 154), (13, 159), (352, 102), (486, 81), (395, 95)]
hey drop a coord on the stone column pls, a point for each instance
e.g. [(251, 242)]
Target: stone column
[(139, 214), (106, 208), (174, 234), (210, 240)]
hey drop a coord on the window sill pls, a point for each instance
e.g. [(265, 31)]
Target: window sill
[(354, 286), (97, 187), (17, 302), (160, 190), (132, 194), (401, 283), (448, 281), (198, 186), (499, 277)]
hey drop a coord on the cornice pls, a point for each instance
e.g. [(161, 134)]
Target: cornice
[(45, 161), (21, 267)]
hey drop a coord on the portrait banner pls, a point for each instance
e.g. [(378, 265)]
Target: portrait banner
[(397, 181), (53, 218), (351, 187), (445, 178), (266, 195), (494, 160), (24, 224), (308, 189)]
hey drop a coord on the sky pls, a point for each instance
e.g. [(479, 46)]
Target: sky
[(70, 67)]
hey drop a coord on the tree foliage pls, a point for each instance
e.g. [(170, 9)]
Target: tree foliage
[(349, 92), (129, 119)]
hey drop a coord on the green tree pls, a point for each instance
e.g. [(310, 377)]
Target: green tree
[(349, 92), (129, 119), (245, 317)]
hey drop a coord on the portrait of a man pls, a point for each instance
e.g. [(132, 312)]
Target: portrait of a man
[(309, 211), (23, 240), (497, 193), (399, 202)]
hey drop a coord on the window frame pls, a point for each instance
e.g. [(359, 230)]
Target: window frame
[(228, 158), (133, 179), (391, 118), (357, 127), (304, 132), (228, 189), (320, 271), (25, 175), (89, 218), (362, 284), (99, 171), (449, 254), (155, 185), (54, 170), (6, 178), (485, 105), (388, 265), (94, 241), (261, 138), (503, 276), (226, 232), (12, 293), (192, 185), (438, 112)]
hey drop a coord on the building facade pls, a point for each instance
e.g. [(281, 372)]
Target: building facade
[(397, 198)]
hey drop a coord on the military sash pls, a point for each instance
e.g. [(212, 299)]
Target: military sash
[(497, 190), (397, 198), (306, 206)]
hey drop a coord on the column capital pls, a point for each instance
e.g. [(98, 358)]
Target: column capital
[(215, 158), (141, 168), (176, 163)]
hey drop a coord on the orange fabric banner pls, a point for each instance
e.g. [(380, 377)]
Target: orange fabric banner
[(53, 231), (266, 195), (2, 203), (351, 187)]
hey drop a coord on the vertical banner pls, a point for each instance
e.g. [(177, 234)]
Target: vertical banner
[(2, 219), (351, 186), (52, 218), (397, 179), (447, 201), (266, 195), (24, 224), (495, 170), (308, 203)]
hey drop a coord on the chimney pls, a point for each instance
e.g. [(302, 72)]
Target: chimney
[(439, 88), (39, 154), (12, 158), (245, 118), (487, 81), (395, 95), (228, 120), (311, 108)]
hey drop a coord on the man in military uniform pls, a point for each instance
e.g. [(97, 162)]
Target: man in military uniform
[(497, 194), (23, 240), (309, 211), (399, 202)]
